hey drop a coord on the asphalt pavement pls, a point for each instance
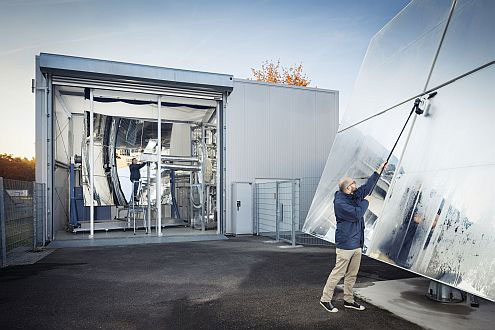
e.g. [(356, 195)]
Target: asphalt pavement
[(241, 283)]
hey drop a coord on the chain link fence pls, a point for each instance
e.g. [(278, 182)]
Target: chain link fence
[(280, 208), (22, 205)]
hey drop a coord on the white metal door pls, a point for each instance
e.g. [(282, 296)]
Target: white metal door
[(242, 208)]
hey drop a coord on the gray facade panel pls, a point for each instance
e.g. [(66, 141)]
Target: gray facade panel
[(277, 131)]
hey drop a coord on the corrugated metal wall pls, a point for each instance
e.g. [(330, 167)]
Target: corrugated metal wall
[(276, 131)]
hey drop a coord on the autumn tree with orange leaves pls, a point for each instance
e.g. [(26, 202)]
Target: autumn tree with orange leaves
[(273, 73)]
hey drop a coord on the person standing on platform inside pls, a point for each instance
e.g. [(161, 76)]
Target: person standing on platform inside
[(135, 168)]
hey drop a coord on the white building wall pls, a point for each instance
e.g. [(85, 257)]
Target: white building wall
[(277, 131)]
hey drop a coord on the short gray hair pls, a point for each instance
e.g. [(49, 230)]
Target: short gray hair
[(344, 183)]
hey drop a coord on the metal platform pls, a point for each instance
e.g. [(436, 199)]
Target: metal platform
[(123, 224)]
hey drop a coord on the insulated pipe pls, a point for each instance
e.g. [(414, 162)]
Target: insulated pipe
[(182, 167), (179, 158), (159, 171), (91, 167)]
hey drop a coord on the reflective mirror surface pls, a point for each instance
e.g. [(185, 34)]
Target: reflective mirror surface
[(469, 41), (432, 211), (398, 59), (356, 153), (116, 142), (438, 219)]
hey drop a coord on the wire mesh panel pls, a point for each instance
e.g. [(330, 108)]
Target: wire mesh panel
[(277, 209), (22, 217), (306, 192), (280, 209), (39, 211), (266, 208), (18, 213), (306, 239), (307, 189), (287, 210)]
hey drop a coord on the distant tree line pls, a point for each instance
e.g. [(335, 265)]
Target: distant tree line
[(17, 168)]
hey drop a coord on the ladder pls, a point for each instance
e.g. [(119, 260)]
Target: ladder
[(136, 208)]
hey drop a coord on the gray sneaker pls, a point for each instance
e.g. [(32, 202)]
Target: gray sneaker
[(353, 305), (328, 306)]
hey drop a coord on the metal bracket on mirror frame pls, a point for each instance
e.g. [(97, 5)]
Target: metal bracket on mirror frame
[(424, 104)]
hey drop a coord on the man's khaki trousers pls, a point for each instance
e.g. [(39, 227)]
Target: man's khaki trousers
[(347, 266)]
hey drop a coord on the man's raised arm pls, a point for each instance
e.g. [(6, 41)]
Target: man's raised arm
[(365, 189)]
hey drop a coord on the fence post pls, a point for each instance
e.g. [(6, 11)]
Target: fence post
[(44, 213), (293, 213), (35, 217), (256, 206), (277, 211), (3, 247)]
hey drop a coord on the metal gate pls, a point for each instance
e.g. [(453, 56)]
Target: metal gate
[(276, 213), (280, 207)]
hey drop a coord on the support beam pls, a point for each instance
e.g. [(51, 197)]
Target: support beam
[(159, 170), (46, 155), (218, 181), (203, 192), (91, 167), (222, 193), (148, 213)]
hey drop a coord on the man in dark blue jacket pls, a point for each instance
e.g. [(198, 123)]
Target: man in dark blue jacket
[(135, 168), (350, 204)]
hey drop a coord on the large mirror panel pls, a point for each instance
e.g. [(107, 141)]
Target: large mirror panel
[(469, 41), (398, 60), (356, 153), (438, 220)]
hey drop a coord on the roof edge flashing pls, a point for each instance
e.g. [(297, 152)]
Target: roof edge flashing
[(94, 68), (257, 82)]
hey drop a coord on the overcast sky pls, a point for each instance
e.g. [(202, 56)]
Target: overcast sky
[(329, 37)]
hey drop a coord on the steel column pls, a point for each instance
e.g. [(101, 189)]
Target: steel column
[(91, 166), (148, 213), (222, 173), (50, 157), (202, 198), (191, 210), (159, 170)]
